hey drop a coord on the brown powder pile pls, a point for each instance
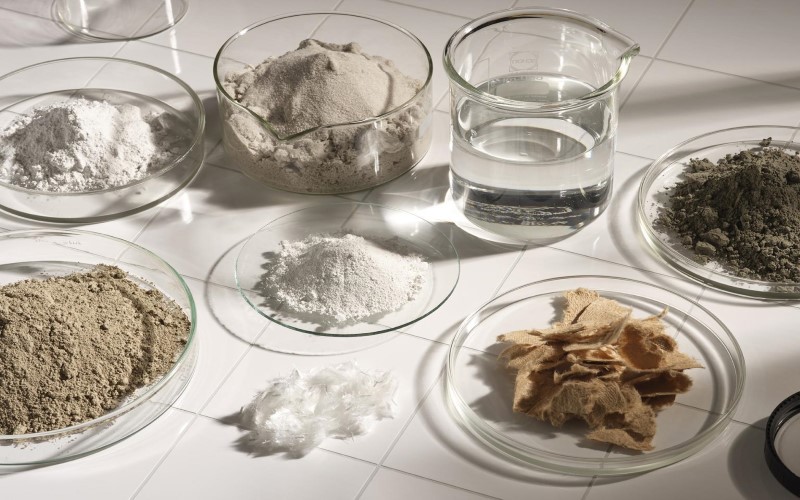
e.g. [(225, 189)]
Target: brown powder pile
[(73, 348), (600, 365)]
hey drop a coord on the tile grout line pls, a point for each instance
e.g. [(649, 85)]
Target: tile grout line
[(402, 431), (442, 483), (428, 9), (658, 51), (164, 457), (653, 58)]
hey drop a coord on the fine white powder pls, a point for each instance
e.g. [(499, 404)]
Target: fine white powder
[(321, 84), (296, 413), (344, 277), (84, 145)]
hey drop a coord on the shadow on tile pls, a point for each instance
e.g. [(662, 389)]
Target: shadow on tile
[(489, 460), (31, 31), (731, 93), (747, 466)]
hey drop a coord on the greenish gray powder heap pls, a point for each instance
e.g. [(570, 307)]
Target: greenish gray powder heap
[(742, 212)]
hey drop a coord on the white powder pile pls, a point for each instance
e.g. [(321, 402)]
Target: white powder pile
[(83, 145), (322, 84), (344, 277), (296, 413)]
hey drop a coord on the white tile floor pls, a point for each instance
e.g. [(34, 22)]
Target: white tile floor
[(705, 65)]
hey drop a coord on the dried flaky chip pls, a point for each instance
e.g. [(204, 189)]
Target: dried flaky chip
[(577, 301), (664, 384), (602, 311), (600, 365)]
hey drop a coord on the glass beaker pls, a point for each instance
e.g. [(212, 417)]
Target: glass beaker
[(533, 110)]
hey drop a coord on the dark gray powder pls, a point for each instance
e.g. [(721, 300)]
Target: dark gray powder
[(742, 212)]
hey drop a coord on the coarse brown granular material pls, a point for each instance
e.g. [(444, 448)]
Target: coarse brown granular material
[(742, 212), (600, 365), (72, 348)]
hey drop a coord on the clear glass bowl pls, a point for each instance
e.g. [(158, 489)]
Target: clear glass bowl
[(480, 388), (365, 153), (118, 19), (667, 170), (39, 254), (364, 219), (117, 81)]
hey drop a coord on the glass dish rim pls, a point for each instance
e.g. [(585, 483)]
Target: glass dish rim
[(152, 390), (264, 123), (687, 266), (587, 466), (198, 135), (56, 14), (355, 205), (534, 12)]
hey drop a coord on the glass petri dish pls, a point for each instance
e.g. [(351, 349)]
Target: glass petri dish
[(480, 389), (155, 92), (118, 19), (39, 254), (371, 221), (669, 169)]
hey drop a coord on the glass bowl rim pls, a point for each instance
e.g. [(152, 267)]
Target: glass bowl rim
[(688, 266), (197, 138), (587, 466), (355, 205), (366, 121), (516, 13), (56, 14), (156, 387)]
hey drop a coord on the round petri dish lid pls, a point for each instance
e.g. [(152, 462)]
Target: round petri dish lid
[(669, 169), (118, 19), (42, 253), (376, 222), (480, 389)]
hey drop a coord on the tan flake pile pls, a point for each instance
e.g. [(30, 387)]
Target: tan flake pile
[(601, 365)]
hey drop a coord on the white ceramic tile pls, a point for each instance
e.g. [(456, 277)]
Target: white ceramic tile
[(747, 38), (433, 446), (416, 363), (539, 263), (26, 40), (200, 227), (432, 28), (468, 9), (208, 23), (673, 103), (647, 22), (127, 228), (194, 70), (115, 472), (392, 485), (615, 235), (731, 467), (225, 326), (483, 264), (769, 344), (210, 462), (40, 9)]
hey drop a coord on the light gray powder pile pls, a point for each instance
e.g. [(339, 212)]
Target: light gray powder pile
[(344, 277), (84, 145), (321, 84)]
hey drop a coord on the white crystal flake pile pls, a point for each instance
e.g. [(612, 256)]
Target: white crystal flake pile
[(297, 412)]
